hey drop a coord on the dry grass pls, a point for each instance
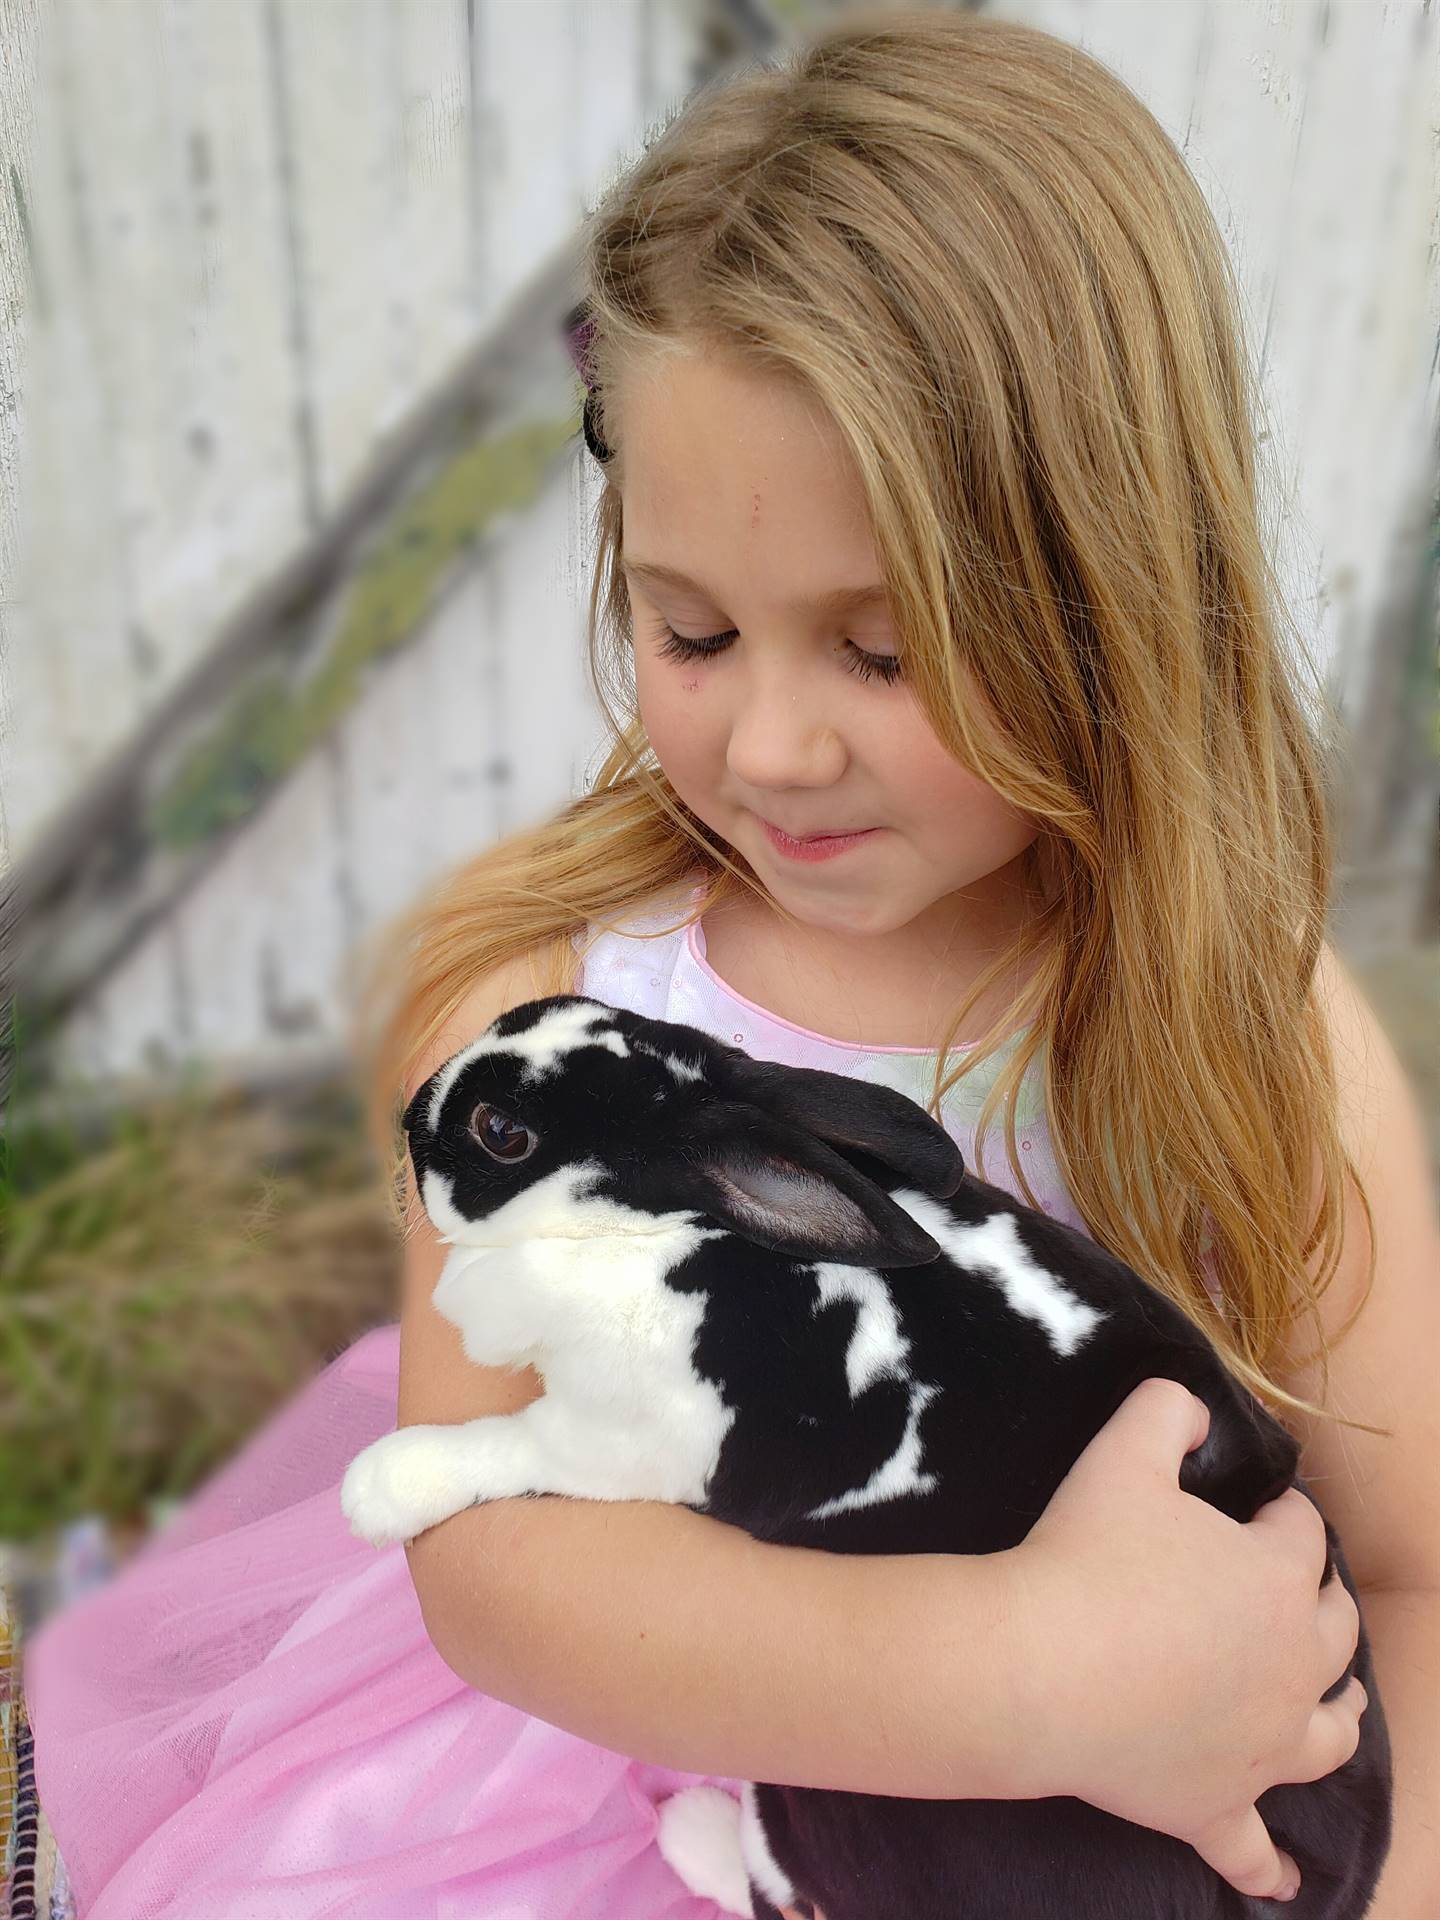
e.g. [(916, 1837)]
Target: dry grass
[(163, 1293)]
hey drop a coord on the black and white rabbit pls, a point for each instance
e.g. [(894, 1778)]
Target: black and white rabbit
[(775, 1295)]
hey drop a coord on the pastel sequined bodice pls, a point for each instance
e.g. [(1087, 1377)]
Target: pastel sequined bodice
[(668, 976)]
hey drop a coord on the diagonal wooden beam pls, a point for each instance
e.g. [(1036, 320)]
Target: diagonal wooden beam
[(289, 662)]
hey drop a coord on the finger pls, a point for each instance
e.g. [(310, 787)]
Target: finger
[(1161, 1421), (1242, 1852), (1295, 1520), (1331, 1737), (1337, 1631)]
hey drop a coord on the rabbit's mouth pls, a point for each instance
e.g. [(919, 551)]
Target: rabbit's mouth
[(564, 1206)]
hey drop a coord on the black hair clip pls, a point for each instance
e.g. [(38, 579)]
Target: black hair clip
[(578, 329)]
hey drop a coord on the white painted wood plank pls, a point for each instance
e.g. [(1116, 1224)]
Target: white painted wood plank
[(132, 1024), (247, 967), (1352, 297), (341, 115), (73, 674), (548, 712), (387, 781), (430, 261), (239, 502), (465, 722), (608, 54), (526, 84), (19, 55)]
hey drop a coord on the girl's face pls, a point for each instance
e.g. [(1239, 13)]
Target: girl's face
[(794, 712)]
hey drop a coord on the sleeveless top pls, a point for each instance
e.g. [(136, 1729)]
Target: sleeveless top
[(667, 976)]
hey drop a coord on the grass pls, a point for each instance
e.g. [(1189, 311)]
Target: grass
[(165, 1290)]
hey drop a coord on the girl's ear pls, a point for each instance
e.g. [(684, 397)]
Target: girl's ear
[(776, 1186), (890, 1126)]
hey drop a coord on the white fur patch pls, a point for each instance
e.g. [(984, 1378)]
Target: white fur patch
[(897, 1476), (540, 1048), (699, 1837), (679, 1069), (760, 1863), (574, 1284), (995, 1248), (877, 1347)]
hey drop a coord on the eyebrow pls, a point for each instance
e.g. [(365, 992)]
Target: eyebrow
[(837, 600)]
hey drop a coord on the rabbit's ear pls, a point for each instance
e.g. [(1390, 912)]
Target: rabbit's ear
[(878, 1120), (784, 1190)]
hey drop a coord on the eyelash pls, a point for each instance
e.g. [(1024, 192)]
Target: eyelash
[(868, 666)]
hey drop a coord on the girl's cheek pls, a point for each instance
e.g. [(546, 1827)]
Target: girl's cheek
[(959, 801), (674, 711)]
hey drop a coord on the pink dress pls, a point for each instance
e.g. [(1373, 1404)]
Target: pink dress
[(248, 1721)]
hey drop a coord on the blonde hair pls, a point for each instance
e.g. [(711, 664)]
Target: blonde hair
[(988, 262)]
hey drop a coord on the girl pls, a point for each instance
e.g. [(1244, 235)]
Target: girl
[(929, 527)]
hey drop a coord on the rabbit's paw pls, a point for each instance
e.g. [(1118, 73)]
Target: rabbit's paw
[(403, 1483), (698, 1834)]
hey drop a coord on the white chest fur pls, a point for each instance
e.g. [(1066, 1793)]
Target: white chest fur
[(625, 1414)]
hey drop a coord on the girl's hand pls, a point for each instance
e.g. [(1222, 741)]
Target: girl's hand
[(1170, 1661)]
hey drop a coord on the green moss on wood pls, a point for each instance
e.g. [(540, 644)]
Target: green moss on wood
[(268, 725)]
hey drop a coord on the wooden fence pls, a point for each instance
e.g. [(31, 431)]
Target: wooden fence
[(248, 246)]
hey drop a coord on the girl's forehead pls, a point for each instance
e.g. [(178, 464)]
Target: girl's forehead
[(665, 401), (704, 462)]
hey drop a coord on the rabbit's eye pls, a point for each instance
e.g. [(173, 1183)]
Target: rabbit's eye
[(500, 1136)]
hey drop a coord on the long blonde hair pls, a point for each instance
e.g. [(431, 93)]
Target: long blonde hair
[(988, 262)]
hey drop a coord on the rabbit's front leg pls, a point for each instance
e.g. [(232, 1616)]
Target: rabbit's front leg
[(418, 1476)]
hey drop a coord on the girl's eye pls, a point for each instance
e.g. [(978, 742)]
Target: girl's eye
[(868, 665)]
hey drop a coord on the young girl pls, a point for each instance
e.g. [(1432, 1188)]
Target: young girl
[(929, 526)]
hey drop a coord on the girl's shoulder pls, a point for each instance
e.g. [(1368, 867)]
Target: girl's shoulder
[(1377, 1106), (663, 909)]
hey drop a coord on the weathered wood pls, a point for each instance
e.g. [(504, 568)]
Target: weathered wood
[(269, 229), (1311, 129), (288, 665)]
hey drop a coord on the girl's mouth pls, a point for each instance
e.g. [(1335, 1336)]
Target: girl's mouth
[(815, 846)]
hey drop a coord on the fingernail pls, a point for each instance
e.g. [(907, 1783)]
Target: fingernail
[(1289, 1890)]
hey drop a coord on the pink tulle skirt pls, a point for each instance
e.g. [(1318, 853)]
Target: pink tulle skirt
[(249, 1723)]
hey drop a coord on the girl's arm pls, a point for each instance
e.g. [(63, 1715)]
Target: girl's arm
[(672, 1637), (1383, 1495)]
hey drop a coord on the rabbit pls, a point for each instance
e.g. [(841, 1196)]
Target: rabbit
[(776, 1295)]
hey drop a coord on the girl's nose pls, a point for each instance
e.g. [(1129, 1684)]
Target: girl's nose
[(781, 737)]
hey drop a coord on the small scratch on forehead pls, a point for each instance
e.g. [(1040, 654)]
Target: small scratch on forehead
[(539, 1048)]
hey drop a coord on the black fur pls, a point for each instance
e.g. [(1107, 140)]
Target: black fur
[(799, 1165)]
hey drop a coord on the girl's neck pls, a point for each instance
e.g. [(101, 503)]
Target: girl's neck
[(879, 990)]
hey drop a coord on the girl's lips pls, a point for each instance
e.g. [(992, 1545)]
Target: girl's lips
[(815, 846)]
